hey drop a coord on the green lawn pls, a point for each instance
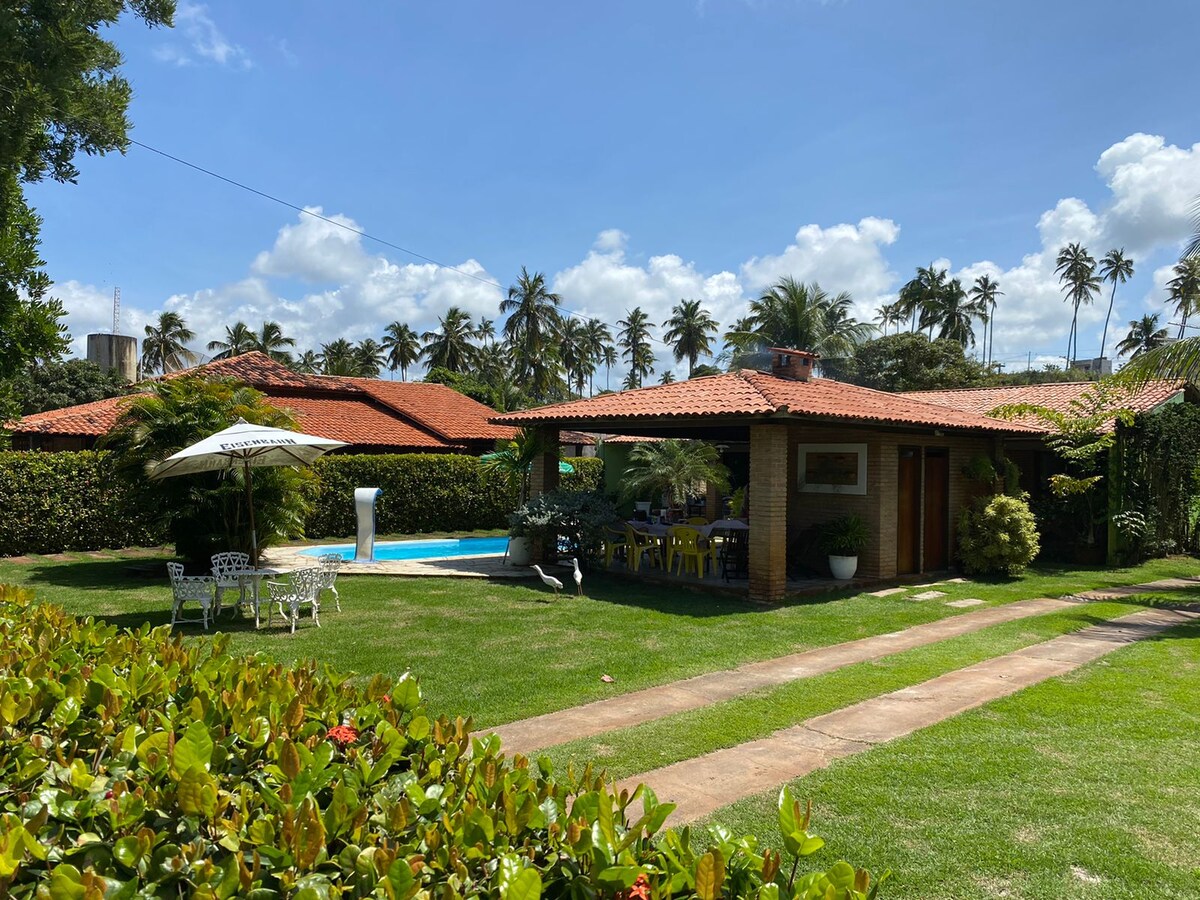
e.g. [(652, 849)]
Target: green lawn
[(500, 651), (1083, 786)]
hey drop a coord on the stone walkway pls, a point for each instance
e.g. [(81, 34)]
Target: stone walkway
[(702, 785), (529, 735)]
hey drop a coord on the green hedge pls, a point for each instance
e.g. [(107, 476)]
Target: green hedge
[(50, 502), (136, 764)]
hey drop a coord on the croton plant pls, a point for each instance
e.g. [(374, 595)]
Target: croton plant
[(137, 764)]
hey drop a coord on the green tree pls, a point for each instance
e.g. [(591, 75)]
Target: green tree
[(634, 338), (1144, 335), (909, 361), (676, 470), (485, 331), (164, 348), (533, 325), (1076, 270), (239, 338), (403, 348), (920, 295), (610, 358), (54, 385), (513, 461), (450, 346), (798, 316), (668, 377), (600, 349), (1184, 291), (574, 354), (369, 358), (1115, 267), (272, 341), (952, 312), (690, 330), (307, 363), (337, 358), (983, 296)]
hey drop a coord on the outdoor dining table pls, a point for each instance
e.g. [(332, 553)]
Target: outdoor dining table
[(661, 529), (255, 577)]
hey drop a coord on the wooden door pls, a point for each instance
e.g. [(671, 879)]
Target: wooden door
[(908, 512), (937, 510)]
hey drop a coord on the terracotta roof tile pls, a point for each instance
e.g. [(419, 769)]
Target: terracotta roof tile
[(437, 407), (749, 394), (356, 421), (86, 419)]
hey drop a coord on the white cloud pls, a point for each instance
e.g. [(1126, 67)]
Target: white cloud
[(90, 310), (205, 41), (316, 250)]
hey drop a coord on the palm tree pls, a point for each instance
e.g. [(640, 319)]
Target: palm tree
[(1076, 270), (983, 295), (609, 357), (951, 311), (920, 294), (239, 339), (799, 316), (676, 470), (573, 351), (492, 363), (598, 341), (513, 461), (450, 347), (369, 358), (668, 377), (337, 358), (485, 330), (271, 341), (634, 338), (889, 314), (1115, 267), (1185, 291), (403, 348), (164, 348), (1144, 336), (689, 332), (307, 363), (531, 329)]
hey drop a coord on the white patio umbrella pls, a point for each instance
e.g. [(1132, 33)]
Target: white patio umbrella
[(246, 445)]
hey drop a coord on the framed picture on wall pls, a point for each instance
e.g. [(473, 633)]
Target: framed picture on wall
[(833, 468)]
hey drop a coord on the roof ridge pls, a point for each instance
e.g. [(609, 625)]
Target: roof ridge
[(767, 398)]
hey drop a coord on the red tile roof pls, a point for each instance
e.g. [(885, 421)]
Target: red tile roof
[(360, 411), (1061, 397), (749, 394)]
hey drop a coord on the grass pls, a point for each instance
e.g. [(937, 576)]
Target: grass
[(1083, 786), (499, 651)]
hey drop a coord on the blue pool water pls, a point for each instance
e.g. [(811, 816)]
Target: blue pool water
[(431, 549)]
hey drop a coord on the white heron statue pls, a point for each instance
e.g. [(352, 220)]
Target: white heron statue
[(578, 576), (548, 580)]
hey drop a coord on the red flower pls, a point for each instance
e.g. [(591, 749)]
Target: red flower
[(386, 698), (640, 889), (342, 734)]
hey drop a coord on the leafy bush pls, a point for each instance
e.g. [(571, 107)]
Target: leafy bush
[(847, 536), (576, 517), (997, 535), (137, 765), (70, 501)]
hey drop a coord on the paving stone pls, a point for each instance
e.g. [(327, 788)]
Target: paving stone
[(963, 604), (928, 595), (702, 785), (888, 592), (954, 581)]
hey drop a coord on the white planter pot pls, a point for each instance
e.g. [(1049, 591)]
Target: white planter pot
[(843, 567), (520, 551)]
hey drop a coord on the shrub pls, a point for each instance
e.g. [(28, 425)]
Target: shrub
[(576, 517), (846, 536), (70, 501), (135, 764), (997, 535)]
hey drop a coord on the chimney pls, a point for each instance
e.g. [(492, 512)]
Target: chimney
[(794, 365)]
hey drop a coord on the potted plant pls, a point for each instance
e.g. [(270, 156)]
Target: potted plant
[(520, 542), (843, 539)]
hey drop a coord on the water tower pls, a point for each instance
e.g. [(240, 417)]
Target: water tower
[(114, 352)]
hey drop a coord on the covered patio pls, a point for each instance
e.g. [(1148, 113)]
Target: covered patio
[(818, 450)]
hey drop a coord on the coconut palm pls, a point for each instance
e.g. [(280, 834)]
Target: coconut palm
[(983, 295), (574, 353), (951, 311), (337, 358), (307, 363), (369, 358), (1115, 267), (799, 316), (533, 325), (513, 461), (599, 343), (676, 470), (1144, 336), (668, 377), (450, 346), (920, 294), (272, 341), (1076, 270), (689, 332), (239, 339), (1184, 291), (164, 348), (486, 330), (493, 364), (889, 314), (403, 348), (609, 357), (634, 338)]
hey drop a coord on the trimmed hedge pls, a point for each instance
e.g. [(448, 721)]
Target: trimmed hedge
[(50, 502), (136, 764)]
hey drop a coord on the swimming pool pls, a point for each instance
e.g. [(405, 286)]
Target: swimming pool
[(431, 549)]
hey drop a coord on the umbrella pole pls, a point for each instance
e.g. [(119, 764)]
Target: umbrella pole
[(250, 508)]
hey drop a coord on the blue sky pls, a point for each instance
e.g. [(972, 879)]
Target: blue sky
[(635, 152)]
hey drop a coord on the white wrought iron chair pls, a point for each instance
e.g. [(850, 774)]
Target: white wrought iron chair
[(303, 587), (189, 588), (227, 569), (329, 565)]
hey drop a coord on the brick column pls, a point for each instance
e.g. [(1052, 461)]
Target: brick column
[(768, 512), (543, 478)]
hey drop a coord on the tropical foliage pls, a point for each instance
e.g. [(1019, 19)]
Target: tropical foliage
[(53, 385), (1076, 270), (164, 347), (634, 341), (997, 535), (798, 316), (1144, 335), (690, 331), (674, 470)]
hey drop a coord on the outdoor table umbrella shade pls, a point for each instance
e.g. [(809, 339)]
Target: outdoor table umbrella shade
[(246, 445)]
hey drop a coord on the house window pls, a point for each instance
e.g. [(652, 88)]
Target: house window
[(833, 468)]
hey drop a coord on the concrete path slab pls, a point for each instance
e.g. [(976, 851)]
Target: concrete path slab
[(702, 785), (589, 720), (888, 592), (928, 595), (963, 604), (1129, 590)]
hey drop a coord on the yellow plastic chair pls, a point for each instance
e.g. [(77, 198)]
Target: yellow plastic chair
[(616, 543), (697, 520), (685, 544), (640, 544)]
